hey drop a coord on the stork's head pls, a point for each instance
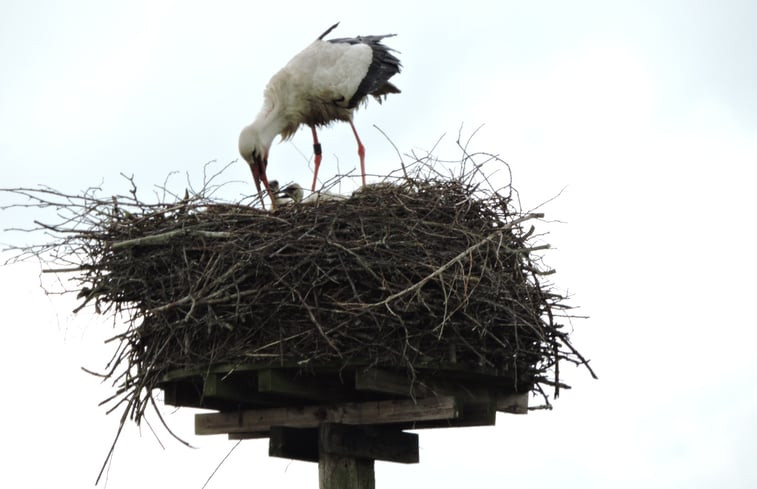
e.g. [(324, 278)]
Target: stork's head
[(254, 151), (294, 192), (291, 194)]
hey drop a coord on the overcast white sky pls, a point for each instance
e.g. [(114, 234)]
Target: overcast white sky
[(646, 111)]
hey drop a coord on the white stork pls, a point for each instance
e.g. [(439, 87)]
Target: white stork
[(323, 83)]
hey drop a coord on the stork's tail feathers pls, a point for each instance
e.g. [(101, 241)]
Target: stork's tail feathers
[(380, 93), (384, 65)]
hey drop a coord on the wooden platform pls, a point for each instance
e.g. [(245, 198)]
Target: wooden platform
[(343, 418)]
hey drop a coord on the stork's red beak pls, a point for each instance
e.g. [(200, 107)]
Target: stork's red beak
[(258, 166)]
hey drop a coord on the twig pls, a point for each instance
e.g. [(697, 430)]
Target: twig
[(444, 267), (167, 236), (223, 460)]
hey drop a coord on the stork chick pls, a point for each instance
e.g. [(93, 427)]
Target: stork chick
[(323, 83), (296, 194), (293, 192)]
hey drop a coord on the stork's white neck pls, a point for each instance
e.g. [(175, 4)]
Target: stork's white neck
[(267, 125)]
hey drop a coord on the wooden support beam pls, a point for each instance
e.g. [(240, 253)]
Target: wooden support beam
[(294, 443), (388, 382), (388, 444), (343, 472), (513, 403), (185, 394), (250, 435), (181, 394), (478, 413), (225, 387), (288, 383), (239, 389), (374, 412), (235, 390), (472, 413)]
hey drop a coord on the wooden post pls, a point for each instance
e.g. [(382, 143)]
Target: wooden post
[(345, 472), (340, 469), (346, 454)]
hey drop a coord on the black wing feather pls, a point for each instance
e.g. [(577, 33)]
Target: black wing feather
[(384, 65)]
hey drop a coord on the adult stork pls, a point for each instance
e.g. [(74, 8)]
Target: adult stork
[(324, 83)]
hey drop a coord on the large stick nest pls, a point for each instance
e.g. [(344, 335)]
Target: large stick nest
[(418, 272)]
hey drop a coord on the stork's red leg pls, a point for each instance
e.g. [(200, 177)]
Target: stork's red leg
[(360, 151), (317, 157)]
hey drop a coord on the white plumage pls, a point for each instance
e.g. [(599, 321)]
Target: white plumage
[(323, 83), (294, 194)]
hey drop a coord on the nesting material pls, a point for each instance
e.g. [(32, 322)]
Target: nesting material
[(426, 273)]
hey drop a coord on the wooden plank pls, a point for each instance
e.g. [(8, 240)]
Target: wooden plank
[(343, 472), (251, 435), (429, 370), (225, 368), (314, 388), (181, 394), (294, 443), (389, 444), (226, 387), (373, 412), (481, 415), (391, 382), (187, 395), (388, 382), (513, 403), (477, 412), (238, 390)]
